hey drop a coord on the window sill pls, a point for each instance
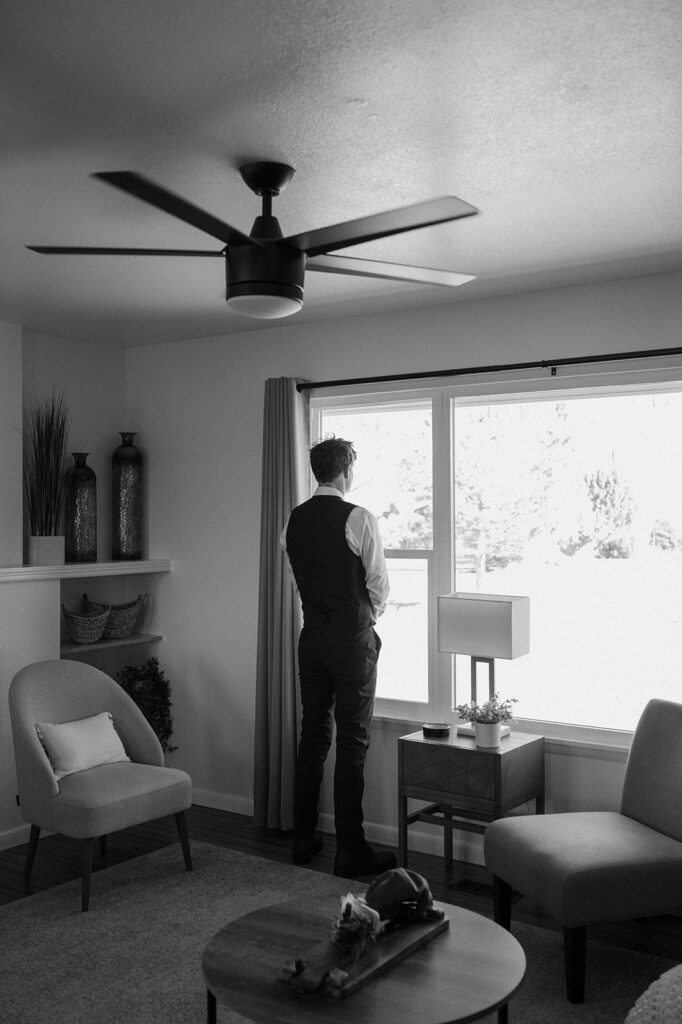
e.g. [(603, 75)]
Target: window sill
[(560, 739)]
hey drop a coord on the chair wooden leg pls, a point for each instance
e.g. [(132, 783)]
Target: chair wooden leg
[(31, 854), (86, 853), (574, 960), (502, 902), (181, 822)]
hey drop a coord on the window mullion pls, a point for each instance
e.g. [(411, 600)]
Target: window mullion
[(441, 582)]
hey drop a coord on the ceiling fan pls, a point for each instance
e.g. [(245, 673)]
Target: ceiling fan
[(265, 270)]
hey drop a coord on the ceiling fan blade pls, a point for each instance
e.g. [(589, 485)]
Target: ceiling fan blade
[(103, 251), (392, 271), (136, 185), (391, 222), (80, 250)]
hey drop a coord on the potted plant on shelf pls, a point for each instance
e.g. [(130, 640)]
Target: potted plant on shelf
[(46, 428), (487, 718)]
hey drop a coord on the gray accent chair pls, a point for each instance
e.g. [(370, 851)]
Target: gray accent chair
[(585, 868), (100, 800)]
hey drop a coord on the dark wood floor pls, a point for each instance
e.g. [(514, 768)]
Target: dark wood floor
[(58, 861)]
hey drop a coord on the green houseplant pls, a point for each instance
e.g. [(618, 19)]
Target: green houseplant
[(487, 718), (46, 428), (151, 691)]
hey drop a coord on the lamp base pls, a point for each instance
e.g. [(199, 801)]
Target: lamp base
[(467, 729)]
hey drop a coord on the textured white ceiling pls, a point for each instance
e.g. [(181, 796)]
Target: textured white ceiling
[(560, 121)]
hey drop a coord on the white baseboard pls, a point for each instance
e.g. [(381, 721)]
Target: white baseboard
[(14, 836), (222, 801), (466, 846)]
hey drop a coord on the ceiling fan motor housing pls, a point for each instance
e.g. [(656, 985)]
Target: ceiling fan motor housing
[(265, 270)]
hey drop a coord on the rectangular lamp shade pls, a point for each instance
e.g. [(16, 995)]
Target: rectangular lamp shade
[(484, 625)]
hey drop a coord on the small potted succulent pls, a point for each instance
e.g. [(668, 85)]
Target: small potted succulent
[(487, 718)]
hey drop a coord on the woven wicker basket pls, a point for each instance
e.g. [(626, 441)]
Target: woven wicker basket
[(86, 628), (122, 617)]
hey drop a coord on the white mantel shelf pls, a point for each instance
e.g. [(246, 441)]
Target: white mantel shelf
[(79, 570)]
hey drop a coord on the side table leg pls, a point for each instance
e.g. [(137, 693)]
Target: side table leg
[(503, 1014), (447, 837), (211, 1008)]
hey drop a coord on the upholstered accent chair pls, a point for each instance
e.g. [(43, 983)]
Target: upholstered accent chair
[(88, 762), (584, 868)]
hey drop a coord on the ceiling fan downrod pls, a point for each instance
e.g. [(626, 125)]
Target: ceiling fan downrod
[(265, 281), (267, 180)]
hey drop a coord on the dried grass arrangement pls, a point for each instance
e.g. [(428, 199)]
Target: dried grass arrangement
[(46, 429)]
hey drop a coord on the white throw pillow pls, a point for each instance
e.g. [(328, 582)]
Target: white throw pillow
[(85, 743)]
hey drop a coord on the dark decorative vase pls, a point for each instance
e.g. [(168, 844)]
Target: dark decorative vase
[(80, 512), (127, 509)]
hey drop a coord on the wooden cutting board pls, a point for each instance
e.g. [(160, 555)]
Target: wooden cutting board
[(326, 969)]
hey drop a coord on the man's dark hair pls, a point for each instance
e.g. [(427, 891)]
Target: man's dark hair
[(331, 457)]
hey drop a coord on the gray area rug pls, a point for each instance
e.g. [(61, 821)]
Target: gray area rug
[(135, 957)]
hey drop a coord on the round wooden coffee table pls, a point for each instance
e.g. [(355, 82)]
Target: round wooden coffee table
[(467, 971)]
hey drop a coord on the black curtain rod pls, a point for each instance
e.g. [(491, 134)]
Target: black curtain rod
[(531, 365)]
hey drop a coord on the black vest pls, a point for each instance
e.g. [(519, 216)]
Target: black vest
[(329, 577)]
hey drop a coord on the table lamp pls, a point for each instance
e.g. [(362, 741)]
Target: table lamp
[(485, 626)]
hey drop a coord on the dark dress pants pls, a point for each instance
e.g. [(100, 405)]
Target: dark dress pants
[(338, 680)]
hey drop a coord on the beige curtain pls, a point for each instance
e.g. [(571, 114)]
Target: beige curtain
[(285, 484)]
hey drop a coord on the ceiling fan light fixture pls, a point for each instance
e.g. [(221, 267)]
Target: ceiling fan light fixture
[(264, 306), (265, 282)]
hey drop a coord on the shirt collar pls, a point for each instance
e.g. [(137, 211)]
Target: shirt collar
[(324, 490)]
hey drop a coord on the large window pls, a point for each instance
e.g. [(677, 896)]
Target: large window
[(572, 498)]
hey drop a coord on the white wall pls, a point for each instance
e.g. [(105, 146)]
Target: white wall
[(198, 407), (10, 444)]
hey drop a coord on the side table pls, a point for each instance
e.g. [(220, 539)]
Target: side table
[(466, 786)]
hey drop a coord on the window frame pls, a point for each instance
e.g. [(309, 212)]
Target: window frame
[(437, 573), (651, 374)]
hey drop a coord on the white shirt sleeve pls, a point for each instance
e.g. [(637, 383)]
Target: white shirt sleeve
[(364, 539), (283, 545)]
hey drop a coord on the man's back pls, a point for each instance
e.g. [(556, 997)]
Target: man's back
[(329, 576)]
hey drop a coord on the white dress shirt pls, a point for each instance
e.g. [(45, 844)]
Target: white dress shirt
[(364, 540)]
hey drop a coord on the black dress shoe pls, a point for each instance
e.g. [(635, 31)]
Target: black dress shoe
[(305, 849), (351, 863)]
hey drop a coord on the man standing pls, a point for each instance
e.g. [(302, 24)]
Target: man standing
[(337, 561)]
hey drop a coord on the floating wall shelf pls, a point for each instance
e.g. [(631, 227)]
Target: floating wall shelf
[(102, 645), (81, 570)]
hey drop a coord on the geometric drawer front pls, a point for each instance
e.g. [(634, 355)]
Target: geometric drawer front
[(446, 769)]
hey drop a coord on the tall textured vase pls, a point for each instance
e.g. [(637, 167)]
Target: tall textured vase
[(127, 500), (80, 511)]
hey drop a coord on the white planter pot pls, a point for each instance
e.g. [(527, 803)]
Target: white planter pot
[(488, 735), (46, 551)]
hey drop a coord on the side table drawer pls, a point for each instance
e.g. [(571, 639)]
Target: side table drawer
[(466, 773)]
